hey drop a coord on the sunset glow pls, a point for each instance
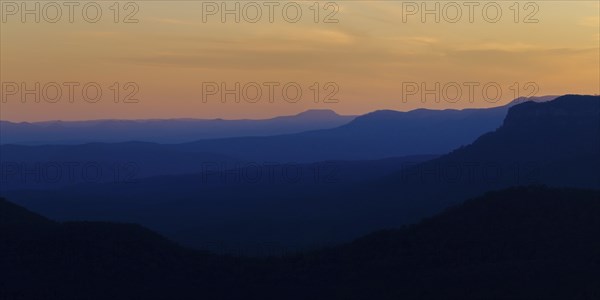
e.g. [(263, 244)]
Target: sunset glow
[(368, 54)]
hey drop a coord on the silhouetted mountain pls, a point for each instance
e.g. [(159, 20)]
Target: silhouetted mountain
[(521, 243), (163, 131), (532, 99), (372, 136), (19, 223), (42, 259), (377, 135), (554, 143)]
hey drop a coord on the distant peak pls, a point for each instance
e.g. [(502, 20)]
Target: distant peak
[(318, 113), (574, 106), (537, 99)]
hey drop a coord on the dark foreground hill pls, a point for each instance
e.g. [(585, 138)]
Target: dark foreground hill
[(521, 243), (43, 259)]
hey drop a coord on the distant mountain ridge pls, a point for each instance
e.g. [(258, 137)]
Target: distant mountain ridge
[(174, 131), (374, 136), (554, 143), (163, 130)]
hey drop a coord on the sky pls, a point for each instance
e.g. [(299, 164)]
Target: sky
[(174, 59)]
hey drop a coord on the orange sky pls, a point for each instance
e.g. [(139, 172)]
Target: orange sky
[(364, 60)]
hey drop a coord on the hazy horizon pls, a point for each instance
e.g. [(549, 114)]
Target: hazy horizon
[(358, 53), (292, 114)]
